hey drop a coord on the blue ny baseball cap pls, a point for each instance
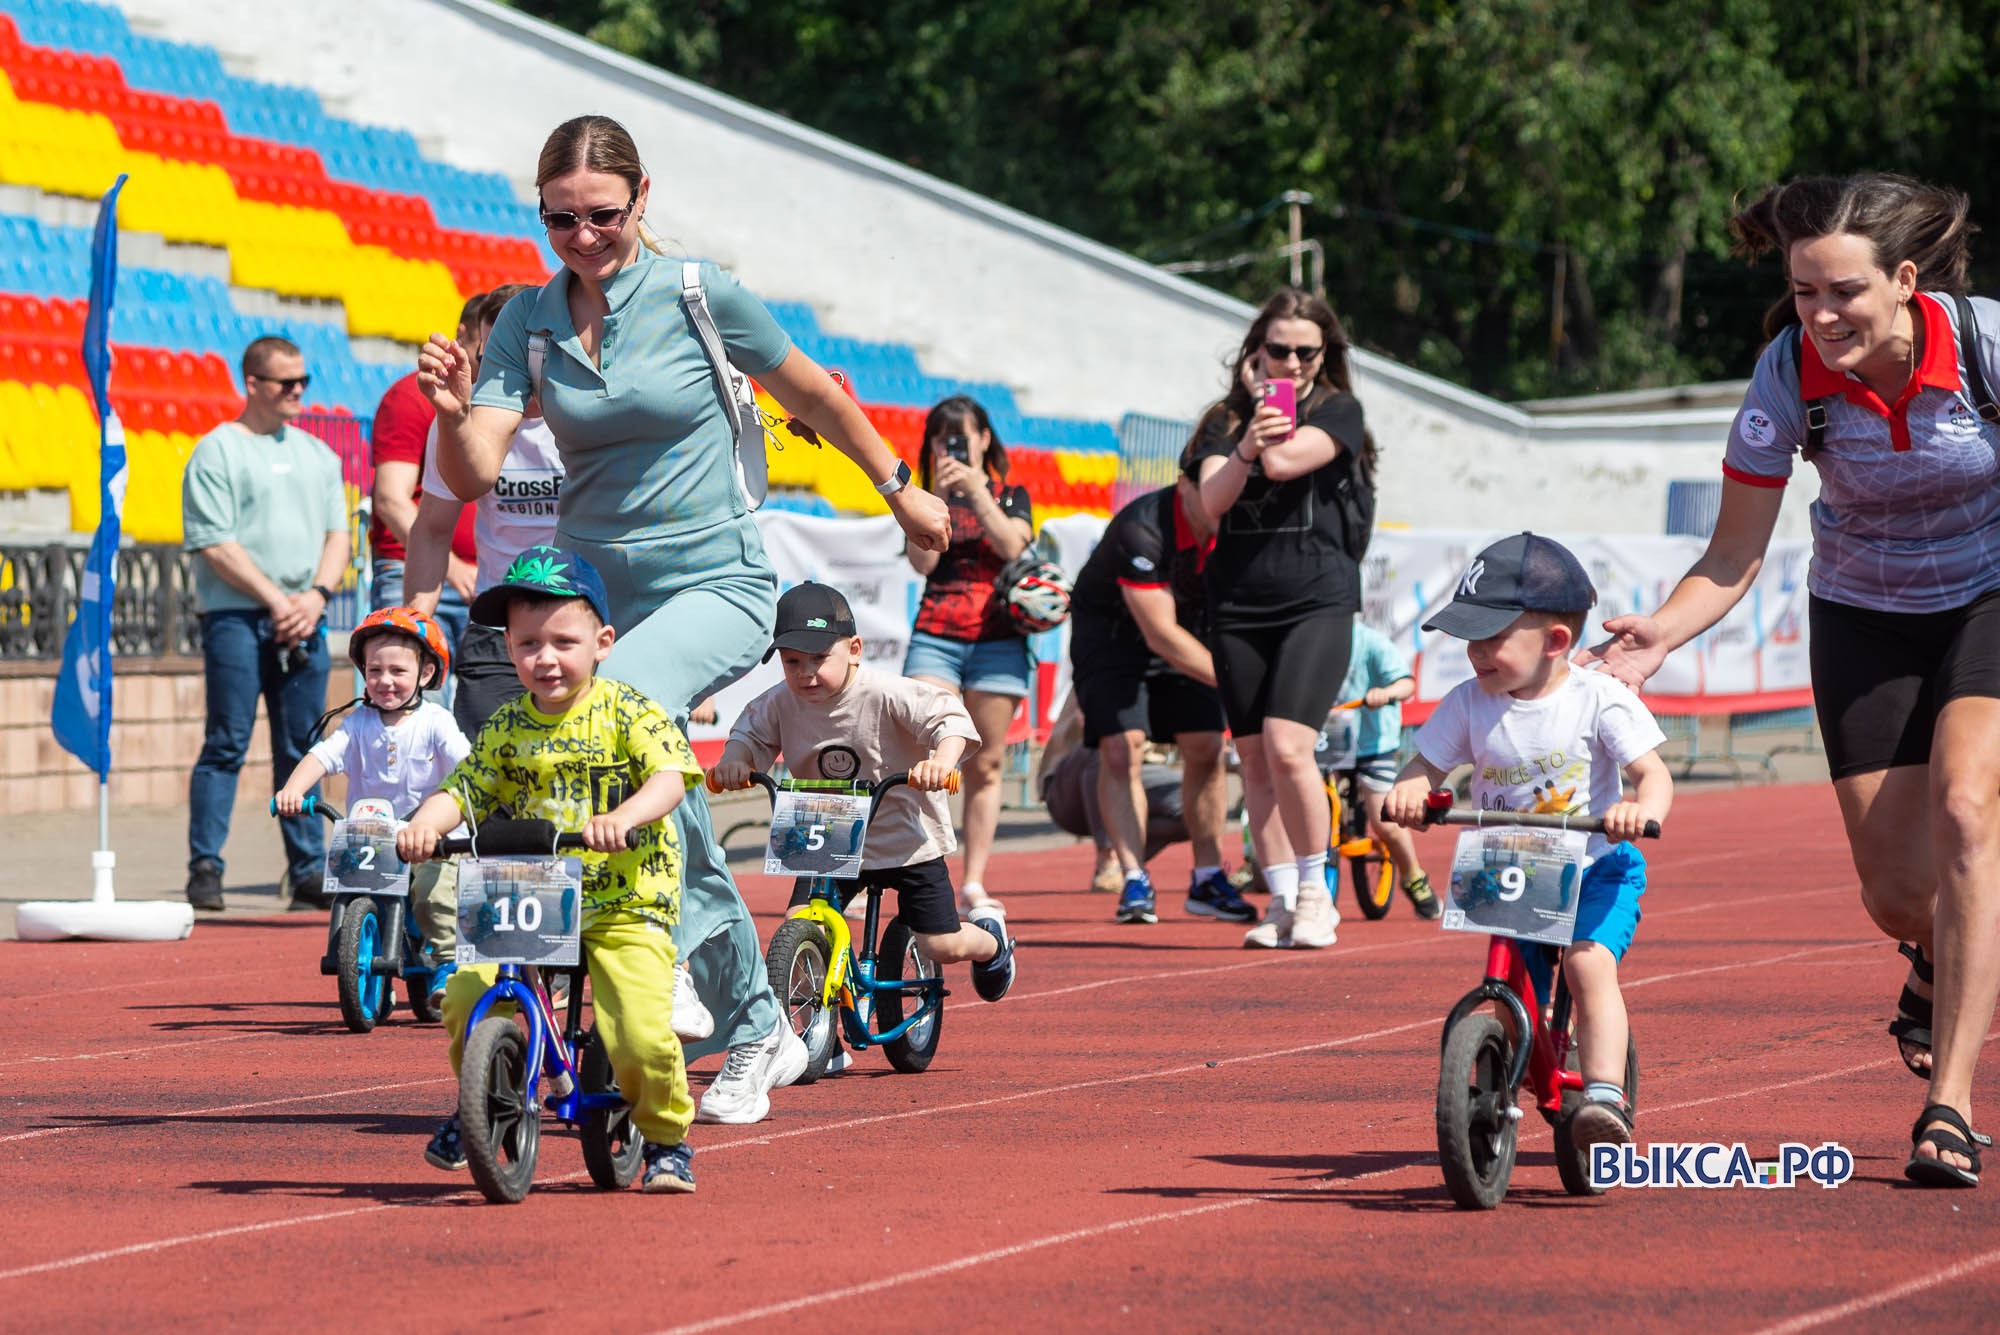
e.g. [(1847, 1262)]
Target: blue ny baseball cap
[(550, 572), (1524, 573)]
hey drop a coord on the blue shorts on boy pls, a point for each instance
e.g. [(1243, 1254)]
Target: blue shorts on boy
[(528, 765), (1565, 753)]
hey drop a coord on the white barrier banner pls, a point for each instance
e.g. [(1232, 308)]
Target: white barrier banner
[(1756, 657)]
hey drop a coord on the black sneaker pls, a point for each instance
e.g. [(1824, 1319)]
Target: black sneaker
[(1215, 897), (204, 887), (1422, 898), (310, 893), (668, 1168), (991, 978), (446, 1150)]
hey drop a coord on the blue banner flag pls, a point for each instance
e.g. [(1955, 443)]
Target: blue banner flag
[(82, 714)]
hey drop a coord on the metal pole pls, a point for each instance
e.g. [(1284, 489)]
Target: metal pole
[(1556, 300), (1295, 201)]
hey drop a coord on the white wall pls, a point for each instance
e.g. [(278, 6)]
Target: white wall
[(981, 291)]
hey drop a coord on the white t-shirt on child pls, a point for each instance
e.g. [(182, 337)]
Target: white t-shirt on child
[(402, 765), (520, 511), (1564, 752)]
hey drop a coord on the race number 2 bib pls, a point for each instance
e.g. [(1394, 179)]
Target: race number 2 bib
[(361, 860), (817, 834), (1507, 880), (519, 910)]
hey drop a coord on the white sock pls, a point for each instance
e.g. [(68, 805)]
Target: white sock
[(1283, 881), (1312, 872)]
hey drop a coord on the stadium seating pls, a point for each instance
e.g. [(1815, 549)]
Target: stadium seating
[(363, 237)]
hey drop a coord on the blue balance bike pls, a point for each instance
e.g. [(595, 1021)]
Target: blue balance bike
[(371, 938), (832, 985), (507, 1057)]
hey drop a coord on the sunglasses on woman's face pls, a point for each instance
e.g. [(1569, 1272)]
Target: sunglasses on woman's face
[(1307, 355), (606, 219)]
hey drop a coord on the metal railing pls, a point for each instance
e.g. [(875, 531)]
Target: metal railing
[(153, 613)]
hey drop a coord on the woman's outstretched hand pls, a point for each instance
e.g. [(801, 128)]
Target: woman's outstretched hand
[(1632, 654), (444, 374), (926, 519)]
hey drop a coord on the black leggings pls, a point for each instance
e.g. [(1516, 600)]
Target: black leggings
[(1880, 678), (1290, 672)]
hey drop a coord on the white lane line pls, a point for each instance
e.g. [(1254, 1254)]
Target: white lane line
[(65, 994), (1882, 1297), (1744, 964), (130, 1052), (162, 1244), (121, 1119)]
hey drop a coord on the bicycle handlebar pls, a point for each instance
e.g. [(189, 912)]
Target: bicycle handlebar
[(497, 837), (314, 806), (877, 790), (1439, 811)]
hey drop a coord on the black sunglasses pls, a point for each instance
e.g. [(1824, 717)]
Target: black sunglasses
[(290, 382), (1279, 352), (603, 220)]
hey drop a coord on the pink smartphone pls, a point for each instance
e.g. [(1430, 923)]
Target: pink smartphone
[(1283, 394)]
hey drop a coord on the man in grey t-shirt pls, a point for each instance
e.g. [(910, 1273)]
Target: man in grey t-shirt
[(265, 515)]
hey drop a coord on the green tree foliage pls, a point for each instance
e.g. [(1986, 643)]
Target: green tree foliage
[(1530, 197)]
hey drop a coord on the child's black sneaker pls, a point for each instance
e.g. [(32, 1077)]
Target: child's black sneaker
[(1422, 898), (668, 1168), (991, 978), (447, 1148), (1601, 1122)]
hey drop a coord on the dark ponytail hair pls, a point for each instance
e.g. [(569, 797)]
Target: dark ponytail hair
[(961, 412), (1902, 219)]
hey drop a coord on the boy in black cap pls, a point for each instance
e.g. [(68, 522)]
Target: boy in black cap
[(600, 758), (835, 719), (1541, 737)]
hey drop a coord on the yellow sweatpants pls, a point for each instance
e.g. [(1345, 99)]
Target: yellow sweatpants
[(631, 964)]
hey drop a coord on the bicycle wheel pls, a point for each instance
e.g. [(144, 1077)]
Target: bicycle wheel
[(420, 999), (899, 960), (612, 1148), (499, 1117), (365, 996), (1572, 1164), (1476, 1133), (1374, 878), (796, 964)]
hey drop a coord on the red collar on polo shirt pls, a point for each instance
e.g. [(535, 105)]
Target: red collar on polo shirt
[(1938, 370), (1184, 537)]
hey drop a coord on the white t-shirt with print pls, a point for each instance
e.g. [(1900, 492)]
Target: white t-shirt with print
[(401, 765), (520, 511), (1564, 752)]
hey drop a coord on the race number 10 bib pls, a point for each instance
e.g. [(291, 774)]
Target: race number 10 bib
[(361, 860), (1507, 880), (519, 910), (817, 834)]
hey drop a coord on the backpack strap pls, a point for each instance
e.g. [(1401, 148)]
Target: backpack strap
[(745, 427), (1968, 356), (1815, 408)]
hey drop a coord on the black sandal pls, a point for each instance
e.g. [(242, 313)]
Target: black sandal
[(1912, 1026), (1929, 1172)]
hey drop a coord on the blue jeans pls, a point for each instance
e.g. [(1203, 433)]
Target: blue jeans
[(240, 660), (453, 614)]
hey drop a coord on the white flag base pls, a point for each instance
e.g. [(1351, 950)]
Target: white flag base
[(101, 917)]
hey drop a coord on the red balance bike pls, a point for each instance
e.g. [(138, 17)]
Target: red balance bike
[(1499, 1035)]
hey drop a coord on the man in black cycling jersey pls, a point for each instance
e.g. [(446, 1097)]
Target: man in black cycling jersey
[(1140, 670)]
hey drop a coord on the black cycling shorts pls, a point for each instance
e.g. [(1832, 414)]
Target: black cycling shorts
[(1290, 672), (1880, 678), (925, 900), (1163, 705)]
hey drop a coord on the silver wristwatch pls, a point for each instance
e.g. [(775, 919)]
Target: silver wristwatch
[(896, 481)]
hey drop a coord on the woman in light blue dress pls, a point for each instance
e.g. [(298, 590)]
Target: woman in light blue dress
[(652, 500)]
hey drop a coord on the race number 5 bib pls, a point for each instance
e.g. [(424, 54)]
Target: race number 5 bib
[(817, 834), (519, 910), (1507, 880), (361, 860)]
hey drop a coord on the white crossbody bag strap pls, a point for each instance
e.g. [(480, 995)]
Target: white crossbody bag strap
[(745, 427)]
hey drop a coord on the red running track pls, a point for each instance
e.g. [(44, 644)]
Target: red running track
[(1157, 1130)]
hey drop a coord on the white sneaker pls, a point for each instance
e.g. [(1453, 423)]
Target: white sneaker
[(742, 1092), (839, 1061), (691, 1018), (1275, 932), (1315, 919)]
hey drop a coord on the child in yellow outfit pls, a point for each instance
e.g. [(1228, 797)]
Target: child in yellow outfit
[(600, 758)]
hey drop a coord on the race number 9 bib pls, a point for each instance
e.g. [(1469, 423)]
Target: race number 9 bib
[(519, 910), (817, 834), (361, 860), (1507, 880)]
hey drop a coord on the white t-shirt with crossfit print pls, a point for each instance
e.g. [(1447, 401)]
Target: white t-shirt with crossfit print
[(1564, 752), (520, 511)]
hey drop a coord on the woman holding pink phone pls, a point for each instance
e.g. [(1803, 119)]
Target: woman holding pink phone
[(1285, 466)]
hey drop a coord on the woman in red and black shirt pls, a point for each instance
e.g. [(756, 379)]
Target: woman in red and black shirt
[(964, 640)]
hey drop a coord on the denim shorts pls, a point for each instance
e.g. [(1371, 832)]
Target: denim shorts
[(997, 666)]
